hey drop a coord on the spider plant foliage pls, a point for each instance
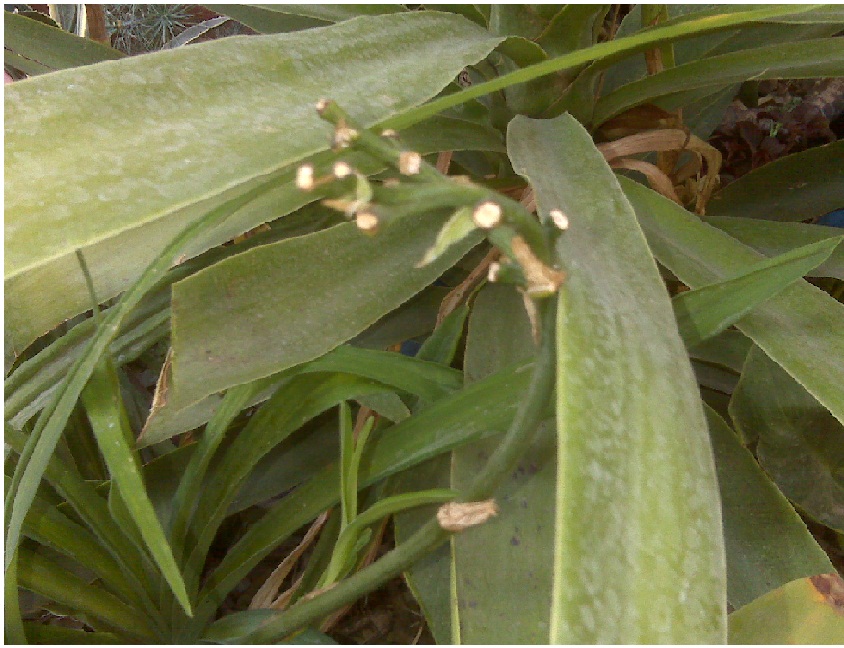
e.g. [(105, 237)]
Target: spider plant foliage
[(613, 415)]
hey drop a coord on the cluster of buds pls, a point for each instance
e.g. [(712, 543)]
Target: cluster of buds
[(525, 242)]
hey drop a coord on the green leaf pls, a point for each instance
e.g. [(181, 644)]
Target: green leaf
[(456, 228), (343, 551), (767, 543), (45, 577), (706, 311), (629, 420), (231, 629), (794, 188), (803, 59), (772, 238), (800, 444), (520, 541), (35, 48), (48, 526), (108, 421), (297, 402), (271, 294), (266, 19), (324, 13), (476, 411), (69, 187), (574, 27), (805, 611), (798, 328), (411, 375), (40, 633), (608, 52), (93, 511)]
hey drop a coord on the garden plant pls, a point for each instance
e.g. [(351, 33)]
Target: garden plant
[(447, 292)]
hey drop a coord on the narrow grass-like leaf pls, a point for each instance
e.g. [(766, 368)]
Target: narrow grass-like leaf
[(772, 238), (411, 375), (271, 19), (35, 48), (794, 188), (477, 411), (799, 443), (94, 512), (343, 551), (798, 328), (60, 196), (189, 489), (629, 420), (293, 405), (706, 311), (224, 316), (608, 51), (45, 577), (348, 480), (49, 527), (108, 420), (804, 59), (35, 456), (41, 633), (805, 611), (767, 543), (13, 632)]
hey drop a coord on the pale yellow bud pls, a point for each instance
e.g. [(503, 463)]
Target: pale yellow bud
[(559, 218), (305, 177), (366, 221), (342, 170), (487, 215), (410, 162)]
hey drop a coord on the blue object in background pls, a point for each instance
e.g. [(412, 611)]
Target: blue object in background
[(410, 347), (833, 219)]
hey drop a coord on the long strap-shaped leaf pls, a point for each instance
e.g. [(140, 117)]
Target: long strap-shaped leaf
[(800, 328), (639, 555), (42, 442), (111, 428), (610, 50), (804, 59)]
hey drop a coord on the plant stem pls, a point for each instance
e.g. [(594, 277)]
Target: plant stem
[(431, 535)]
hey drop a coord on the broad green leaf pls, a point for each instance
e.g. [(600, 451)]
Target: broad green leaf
[(767, 543), (519, 542), (573, 28), (104, 611), (803, 59), (794, 188), (108, 421), (476, 411), (799, 443), (35, 48), (727, 349), (805, 611), (629, 420), (429, 579), (255, 314), (799, 328), (414, 318), (411, 375), (772, 238), (708, 310), (325, 13), (69, 187)]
